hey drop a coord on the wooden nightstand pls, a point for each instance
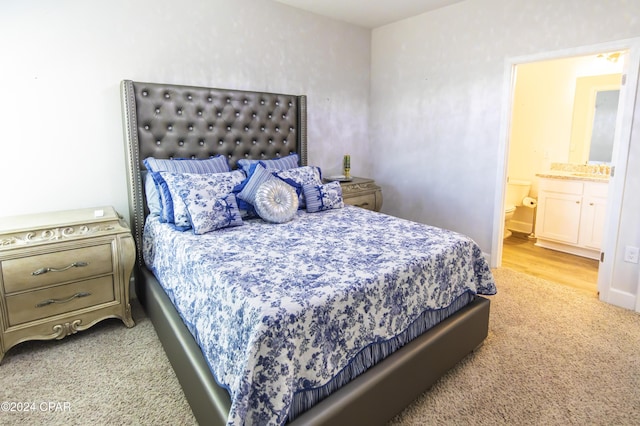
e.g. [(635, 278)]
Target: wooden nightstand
[(362, 192), (62, 272)]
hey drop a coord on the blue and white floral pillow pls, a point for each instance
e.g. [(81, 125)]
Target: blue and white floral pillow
[(323, 197), (210, 214), (174, 187), (298, 177), (216, 164)]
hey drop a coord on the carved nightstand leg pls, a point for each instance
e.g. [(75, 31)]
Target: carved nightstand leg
[(128, 318)]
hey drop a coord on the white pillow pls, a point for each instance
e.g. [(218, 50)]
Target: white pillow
[(276, 201)]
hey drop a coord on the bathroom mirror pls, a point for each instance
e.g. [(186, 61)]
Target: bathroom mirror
[(604, 126), (594, 118)]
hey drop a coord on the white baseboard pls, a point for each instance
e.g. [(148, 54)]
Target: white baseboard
[(567, 248), (620, 298)]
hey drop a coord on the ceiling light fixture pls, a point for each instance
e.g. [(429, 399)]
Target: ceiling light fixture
[(611, 57)]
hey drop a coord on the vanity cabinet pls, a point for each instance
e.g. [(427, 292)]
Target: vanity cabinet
[(594, 204), (570, 216)]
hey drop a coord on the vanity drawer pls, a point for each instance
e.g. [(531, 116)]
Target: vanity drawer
[(34, 305), (66, 265), (365, 201)]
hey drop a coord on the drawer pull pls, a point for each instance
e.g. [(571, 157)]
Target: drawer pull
[(45, 270), (362, 205), (68, 299)]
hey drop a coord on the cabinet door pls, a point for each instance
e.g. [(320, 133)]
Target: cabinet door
[(592, 222), (558, 216)]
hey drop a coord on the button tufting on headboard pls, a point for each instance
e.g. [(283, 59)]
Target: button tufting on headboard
[(171, 121), (198, 122)]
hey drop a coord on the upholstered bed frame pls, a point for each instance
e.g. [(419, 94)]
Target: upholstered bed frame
[(171, 121)]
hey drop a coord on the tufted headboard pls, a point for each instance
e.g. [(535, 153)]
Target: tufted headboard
[(173, 121)]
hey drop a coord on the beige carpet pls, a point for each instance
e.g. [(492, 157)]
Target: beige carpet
[(554, 356), (106, 375)]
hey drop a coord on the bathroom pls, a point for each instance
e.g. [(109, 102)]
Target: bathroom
[(551, 126)]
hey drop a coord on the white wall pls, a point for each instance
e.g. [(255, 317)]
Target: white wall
[(62, 62), (437, 103)]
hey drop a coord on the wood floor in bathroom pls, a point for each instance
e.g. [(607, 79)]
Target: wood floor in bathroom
[(520, 253)]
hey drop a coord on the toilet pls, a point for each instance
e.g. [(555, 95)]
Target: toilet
[(516, 191)]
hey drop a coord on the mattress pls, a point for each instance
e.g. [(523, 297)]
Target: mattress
[(281, 309)]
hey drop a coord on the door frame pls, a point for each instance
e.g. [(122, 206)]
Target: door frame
[(620, 154)]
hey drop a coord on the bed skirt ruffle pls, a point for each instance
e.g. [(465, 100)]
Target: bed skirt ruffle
[(373, 354)]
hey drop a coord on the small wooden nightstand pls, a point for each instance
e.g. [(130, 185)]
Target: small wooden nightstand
[(362, 192), (62, 272)]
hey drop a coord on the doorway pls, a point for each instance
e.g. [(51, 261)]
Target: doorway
[(552, 119), (611, 262)]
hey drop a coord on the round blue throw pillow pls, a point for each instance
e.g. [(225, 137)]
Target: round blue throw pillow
[(276, 201)]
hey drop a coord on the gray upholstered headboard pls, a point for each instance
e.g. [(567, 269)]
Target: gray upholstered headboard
[(172, 121)]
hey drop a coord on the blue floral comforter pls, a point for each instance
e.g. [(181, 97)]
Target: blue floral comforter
[(279, 308)]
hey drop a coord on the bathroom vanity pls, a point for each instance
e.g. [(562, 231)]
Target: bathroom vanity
[(571, 212)]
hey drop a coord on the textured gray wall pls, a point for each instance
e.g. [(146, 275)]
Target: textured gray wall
[(62, 63), (440, 78)]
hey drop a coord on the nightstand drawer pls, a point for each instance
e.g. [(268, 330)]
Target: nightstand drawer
[(362, 192), (45, 269), (365, 201), (56, 300)]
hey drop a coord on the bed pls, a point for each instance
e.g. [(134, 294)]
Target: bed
[(357, 381)]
